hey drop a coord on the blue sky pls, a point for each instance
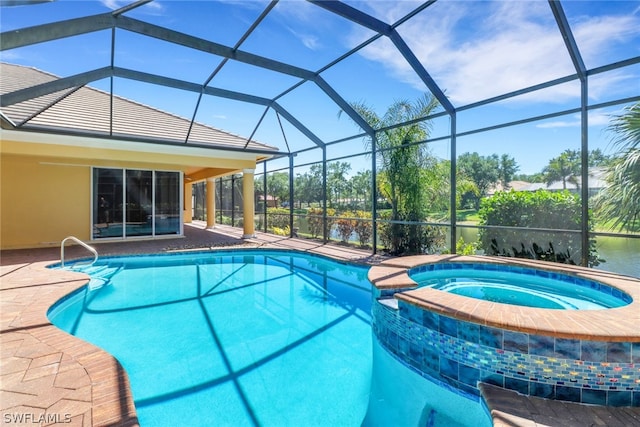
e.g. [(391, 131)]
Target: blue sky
[(473, 50)]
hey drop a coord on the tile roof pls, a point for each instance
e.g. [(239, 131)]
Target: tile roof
[(87, 110)]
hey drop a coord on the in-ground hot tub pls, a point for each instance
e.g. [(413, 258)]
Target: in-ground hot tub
[(509, 284), (585, 355)]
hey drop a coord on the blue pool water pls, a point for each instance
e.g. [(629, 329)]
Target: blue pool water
[(252, 338), (519, 286)]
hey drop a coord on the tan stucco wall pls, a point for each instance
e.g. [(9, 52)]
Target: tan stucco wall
[(42, 203), (45, 187), (124, 153)]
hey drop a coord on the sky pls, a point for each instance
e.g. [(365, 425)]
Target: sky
[(473, 50)]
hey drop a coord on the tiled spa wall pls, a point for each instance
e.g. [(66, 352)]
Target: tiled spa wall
[(461, 353)]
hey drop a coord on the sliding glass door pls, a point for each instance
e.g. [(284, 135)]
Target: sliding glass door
[(108, 196), (133, 202), (168, 208), (139, 207)]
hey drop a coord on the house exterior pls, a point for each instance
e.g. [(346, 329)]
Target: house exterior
[(80, 162), (271, 201), (597, 181)]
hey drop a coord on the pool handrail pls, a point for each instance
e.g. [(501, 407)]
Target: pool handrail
[(81, 243)]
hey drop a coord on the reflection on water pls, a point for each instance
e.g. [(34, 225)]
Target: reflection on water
[(621, 255)]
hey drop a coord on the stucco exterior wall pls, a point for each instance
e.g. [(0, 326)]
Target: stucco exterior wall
[(42, 202), (45, 185)]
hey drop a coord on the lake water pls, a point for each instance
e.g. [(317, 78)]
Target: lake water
[(621, 255)]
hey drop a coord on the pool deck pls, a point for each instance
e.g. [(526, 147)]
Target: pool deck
[(49, 377)]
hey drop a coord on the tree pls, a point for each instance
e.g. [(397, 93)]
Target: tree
[(436, 184), (360, 185), (483, 171), (307, 187), (337, 184), (536, 177), (278, 186), (507, 170), (400, 161), (620, 199), (566, 168), (467, 194), (598, 158)]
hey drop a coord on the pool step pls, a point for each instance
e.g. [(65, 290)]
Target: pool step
[(100, 276), (509, 408)]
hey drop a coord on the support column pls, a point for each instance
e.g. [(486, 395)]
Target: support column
[(187, 213), (248, 206), (211, 202)]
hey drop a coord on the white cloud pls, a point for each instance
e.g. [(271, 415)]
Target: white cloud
[(153, 7), (112, 4), (559, 124), (305, 21), (8, 56), (594, 119), (475, 54), (310, 41)]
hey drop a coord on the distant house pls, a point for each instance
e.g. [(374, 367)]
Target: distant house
[(597, 181), (513, 185), (78, 161), (272, 201)]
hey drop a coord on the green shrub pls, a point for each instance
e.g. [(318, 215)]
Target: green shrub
[(363, 227), (540, 209), (282, 231), (314, 219), (464, 248), (277, 218), (410, 239), (345, 226)]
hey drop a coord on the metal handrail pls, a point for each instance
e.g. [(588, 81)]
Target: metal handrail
[(80, 242)]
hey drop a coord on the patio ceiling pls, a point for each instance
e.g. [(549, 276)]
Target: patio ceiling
[(286, 101)]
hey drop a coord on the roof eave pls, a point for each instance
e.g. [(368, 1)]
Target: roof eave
[(82, 139), (37, 133)]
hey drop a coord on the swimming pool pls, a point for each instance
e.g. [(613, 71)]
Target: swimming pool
[(251, 338), (519, 286)]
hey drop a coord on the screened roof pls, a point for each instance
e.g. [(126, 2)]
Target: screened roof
[(285, 74)]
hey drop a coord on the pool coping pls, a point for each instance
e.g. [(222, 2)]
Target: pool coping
[(610, 325)]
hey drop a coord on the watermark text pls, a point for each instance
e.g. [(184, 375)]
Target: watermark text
[(33, 418)]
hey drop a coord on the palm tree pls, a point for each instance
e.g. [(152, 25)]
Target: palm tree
[(565, 168), (401, 161), (507, 169), (620, 199)]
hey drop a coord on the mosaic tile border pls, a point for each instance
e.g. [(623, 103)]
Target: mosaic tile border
[(461, 354)]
